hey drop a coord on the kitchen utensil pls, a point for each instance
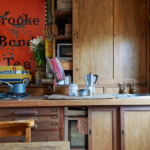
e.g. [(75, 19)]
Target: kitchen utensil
[(16, 88), (82, 92), (90, 81), (73, 89)]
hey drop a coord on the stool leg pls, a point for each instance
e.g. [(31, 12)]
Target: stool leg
[(28, 134)]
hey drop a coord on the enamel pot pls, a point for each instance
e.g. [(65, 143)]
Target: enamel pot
[(17, 88)]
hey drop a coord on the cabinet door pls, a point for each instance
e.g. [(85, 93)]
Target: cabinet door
[(93, 44), (110, 40), (133, 24), (102, 124), (135, 128)]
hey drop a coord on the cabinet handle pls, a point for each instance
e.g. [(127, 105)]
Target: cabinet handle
[(76, 34), (54, 124), (26, 118), (122, 132), (31, 90), (54, 110), (54, 117), (143, 35), (27, 112), (90, 132)]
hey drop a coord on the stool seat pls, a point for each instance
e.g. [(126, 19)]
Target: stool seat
[(16, 128), (17, 123)]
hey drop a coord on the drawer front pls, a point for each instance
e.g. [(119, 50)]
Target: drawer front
[(41, 122), (28, 111), (38, 91), (36, 136)]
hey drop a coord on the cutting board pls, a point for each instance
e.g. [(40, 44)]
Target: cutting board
[(67, 97)]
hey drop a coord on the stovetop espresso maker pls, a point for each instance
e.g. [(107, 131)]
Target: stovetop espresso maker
[(90, 81)]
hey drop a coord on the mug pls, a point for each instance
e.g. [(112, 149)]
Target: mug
[(82, 92)]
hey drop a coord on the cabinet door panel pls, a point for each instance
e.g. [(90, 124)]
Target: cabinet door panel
[(112, 40), (133, 37), (135, 130), (93, 50), (102, 128)]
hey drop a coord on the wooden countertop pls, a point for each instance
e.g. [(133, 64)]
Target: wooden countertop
[(40, 101)]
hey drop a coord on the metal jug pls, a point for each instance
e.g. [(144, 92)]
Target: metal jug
[(90, 79)]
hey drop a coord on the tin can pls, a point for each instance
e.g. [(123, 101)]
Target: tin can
[(68, 79), (48, 48), (40, 73)]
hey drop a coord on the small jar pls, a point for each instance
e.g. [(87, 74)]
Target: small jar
[(73, 89), (40, 73)]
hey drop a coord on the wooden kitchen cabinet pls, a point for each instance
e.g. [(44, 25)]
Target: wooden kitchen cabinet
[(102, 124), (110, 39), (135, 128)]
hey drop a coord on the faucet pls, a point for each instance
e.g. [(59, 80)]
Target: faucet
[(124, 88), (134, 87)]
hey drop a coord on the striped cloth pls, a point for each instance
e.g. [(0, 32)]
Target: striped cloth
[(82, 125), (55, 66)]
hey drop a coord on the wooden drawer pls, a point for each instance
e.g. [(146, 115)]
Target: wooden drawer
[(36, 136), (28, 111), (38, 91), (41, 122)]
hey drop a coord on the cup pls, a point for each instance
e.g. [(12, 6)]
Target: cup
[(82, 92)]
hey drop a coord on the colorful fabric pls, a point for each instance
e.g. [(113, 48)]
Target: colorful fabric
[(82, 125), (56, 67)]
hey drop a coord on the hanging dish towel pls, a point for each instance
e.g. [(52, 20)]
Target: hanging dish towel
[(56, 67), (82, 125)]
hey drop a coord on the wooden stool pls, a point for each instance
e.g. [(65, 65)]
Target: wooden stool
[(16, 128)]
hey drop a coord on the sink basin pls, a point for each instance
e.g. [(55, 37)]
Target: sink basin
[(138, 95)]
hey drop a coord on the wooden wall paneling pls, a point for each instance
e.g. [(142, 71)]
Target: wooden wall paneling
[(75, 40), (102, 124), (135, 132)]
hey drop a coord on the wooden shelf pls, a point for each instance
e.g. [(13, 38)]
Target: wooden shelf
[(67, 65), (63, 37), (63, 14)]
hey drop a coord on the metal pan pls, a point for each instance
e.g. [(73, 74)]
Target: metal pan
[(16, 88)]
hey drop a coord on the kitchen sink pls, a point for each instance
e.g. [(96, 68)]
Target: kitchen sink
[(138, 95)]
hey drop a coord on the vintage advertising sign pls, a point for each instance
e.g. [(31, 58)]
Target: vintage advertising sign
[(20, 21)]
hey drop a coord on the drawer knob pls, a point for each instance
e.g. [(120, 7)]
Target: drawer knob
[(31, 90), (26, 118), (54, 117), (54, 109), (54, 124)]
